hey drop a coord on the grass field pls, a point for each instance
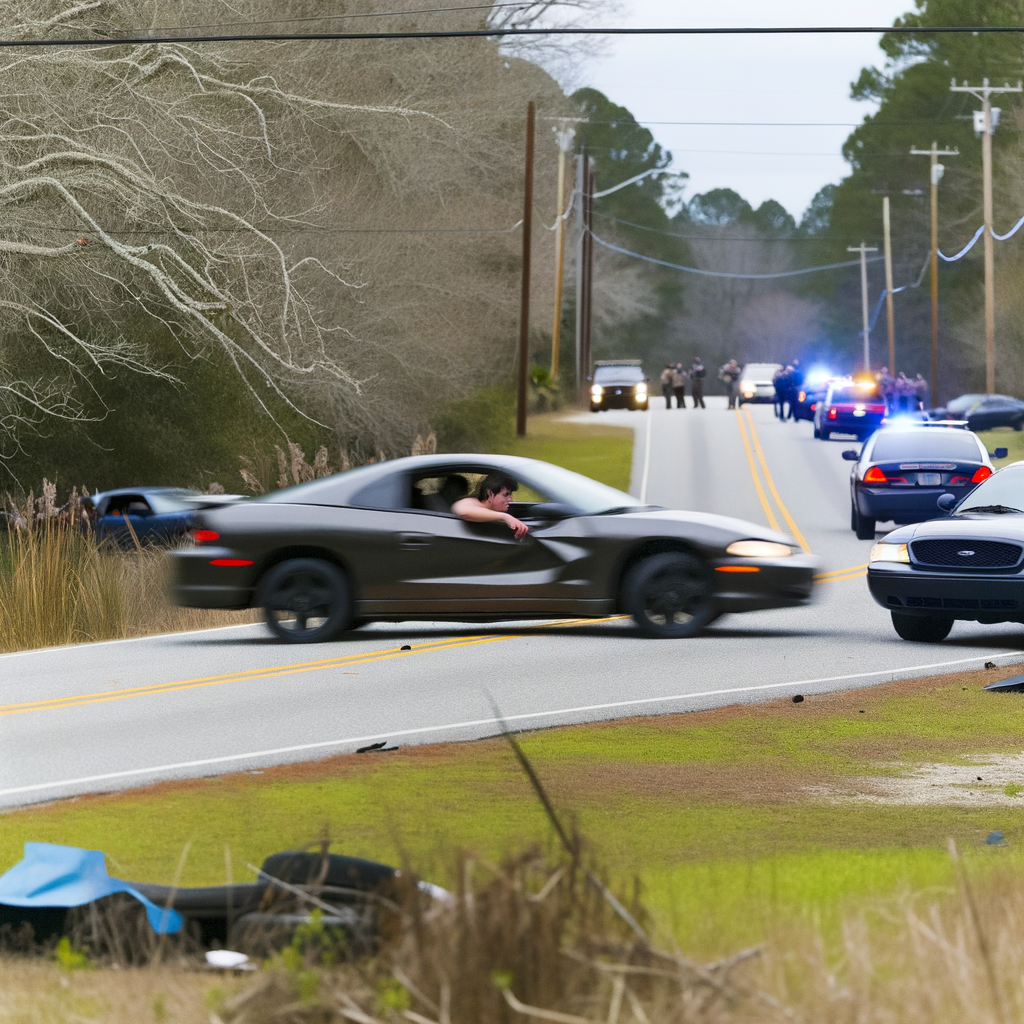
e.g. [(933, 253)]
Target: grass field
[(737, 822)]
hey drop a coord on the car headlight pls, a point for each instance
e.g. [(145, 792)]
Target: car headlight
[(758, 549), (596, 391), (749, 392), (641, 391), (883, 552)]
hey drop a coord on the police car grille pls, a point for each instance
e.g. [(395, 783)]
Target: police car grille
[(953, 554)]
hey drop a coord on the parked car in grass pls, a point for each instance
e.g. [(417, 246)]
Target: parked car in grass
[(983, 412), (152, 514)]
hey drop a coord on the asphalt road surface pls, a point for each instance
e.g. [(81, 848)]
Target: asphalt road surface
[(115, 715)]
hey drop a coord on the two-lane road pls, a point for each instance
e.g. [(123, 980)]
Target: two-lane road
[(108, 716)]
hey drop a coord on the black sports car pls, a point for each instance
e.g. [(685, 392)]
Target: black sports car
[(969, 565), (901, 472), (380, 543), (983, 412)]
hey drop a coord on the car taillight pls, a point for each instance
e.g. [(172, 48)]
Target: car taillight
[(981, 473), (875, 476), (833, 413), (814, 405), (876, 408), (232, 562), (205, 536)]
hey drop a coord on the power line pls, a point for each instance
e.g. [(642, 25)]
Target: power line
[(150, 37)]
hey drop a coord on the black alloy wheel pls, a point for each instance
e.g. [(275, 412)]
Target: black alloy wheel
[(306, 600), (863, 526), (921, 629), (670, 595)]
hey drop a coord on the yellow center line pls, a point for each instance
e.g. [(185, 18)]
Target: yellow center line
[(841, 572), (762, 497), (840, 579), (156, 689), (771, 484)]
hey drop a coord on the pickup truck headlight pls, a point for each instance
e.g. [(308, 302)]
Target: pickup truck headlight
[(641, 391), (759, 549), (596, 392), (890, 553)]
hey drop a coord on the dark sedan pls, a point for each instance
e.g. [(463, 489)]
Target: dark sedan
[(380, 543), (849, 407), (902, 471), (152, 514), (805, 401), (969, 565), (984, 412)]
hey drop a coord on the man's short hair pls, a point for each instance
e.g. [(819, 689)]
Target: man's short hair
[(495, 483)]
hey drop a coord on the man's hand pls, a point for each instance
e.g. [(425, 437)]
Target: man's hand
[(520, 529)]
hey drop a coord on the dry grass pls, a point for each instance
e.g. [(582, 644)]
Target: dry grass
[(59, 586)]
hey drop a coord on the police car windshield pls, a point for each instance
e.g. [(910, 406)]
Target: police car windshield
[(618, 374), (931, 443), (854, 393), (1004, 489)]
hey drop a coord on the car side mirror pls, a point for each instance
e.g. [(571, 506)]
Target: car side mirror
[(851, 455), (946, 501), (589, 379), (999, 453)]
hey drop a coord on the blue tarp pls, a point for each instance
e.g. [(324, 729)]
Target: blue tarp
[(64, 876)]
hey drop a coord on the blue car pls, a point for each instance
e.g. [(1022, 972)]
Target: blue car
[(156, 515)]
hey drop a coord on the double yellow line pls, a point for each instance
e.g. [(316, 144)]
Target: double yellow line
[(762, 497), (838, 575), (344, 661)]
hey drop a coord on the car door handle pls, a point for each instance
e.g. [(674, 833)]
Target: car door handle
[(411, 541)]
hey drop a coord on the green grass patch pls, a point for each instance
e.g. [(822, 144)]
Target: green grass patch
[(1004, 437), (601, 452), (721, 815)]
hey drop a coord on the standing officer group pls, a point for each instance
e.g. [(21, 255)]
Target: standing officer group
[(673, 383)]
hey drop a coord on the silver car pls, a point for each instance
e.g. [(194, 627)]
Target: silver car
[(756, 382)]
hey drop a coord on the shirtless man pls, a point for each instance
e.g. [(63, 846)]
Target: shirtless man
[(492, 504)]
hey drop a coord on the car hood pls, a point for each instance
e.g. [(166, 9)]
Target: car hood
[(983, 524), (683, 522)]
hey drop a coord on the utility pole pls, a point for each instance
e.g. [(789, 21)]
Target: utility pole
[(864, 250), (937, 170), (889, 315), (564, 142), (986, 125), (588, 264), (581, 179), (524, 312)]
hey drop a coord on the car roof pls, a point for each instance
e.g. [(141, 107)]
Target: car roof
[(113, 492)]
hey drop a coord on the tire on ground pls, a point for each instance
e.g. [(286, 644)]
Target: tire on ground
[(921, 629), (305, 600), (863, 526), (670, 595)]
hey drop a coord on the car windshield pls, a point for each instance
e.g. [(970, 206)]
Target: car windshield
[(945, 444), (1002, 490), (760, 371), (620, 374), (579, 492)]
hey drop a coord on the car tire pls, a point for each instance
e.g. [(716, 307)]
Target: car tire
[(920, 629), (298, 590), (817, 434), (1018, 425), (825, 435), (670, 595), (863, 527), (853, 516), (595, 408)]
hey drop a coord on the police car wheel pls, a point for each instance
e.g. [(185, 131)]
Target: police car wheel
[(921, 629)]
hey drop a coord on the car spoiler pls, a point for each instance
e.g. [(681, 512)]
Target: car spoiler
[(204, 501)]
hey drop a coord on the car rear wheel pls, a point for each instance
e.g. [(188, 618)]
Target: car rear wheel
[(670, 595), (825, 435), (862, 526), (1018, 425), (920, 629), (306, 600), (817, 434)]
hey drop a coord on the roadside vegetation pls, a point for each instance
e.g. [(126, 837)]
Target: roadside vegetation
[(810, 830)]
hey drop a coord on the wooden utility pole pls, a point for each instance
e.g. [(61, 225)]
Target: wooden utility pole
[(588, 264), (564, 139), (864, 250), (889, 314), (937, 170), (986, 124), (524, 311)]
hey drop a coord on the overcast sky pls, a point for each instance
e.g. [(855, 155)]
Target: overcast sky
[(746, 79)]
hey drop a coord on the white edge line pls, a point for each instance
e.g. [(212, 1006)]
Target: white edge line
[(647, 458), (255, 755)]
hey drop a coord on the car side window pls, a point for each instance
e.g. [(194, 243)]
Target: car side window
[(128, 504), (437, 492)]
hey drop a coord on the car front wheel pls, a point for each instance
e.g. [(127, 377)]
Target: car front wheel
[(920, 629), (306, 600), (670, 595)]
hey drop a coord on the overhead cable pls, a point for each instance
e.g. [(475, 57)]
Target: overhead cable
[(974, 241), (150, 37), (719, 273)]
